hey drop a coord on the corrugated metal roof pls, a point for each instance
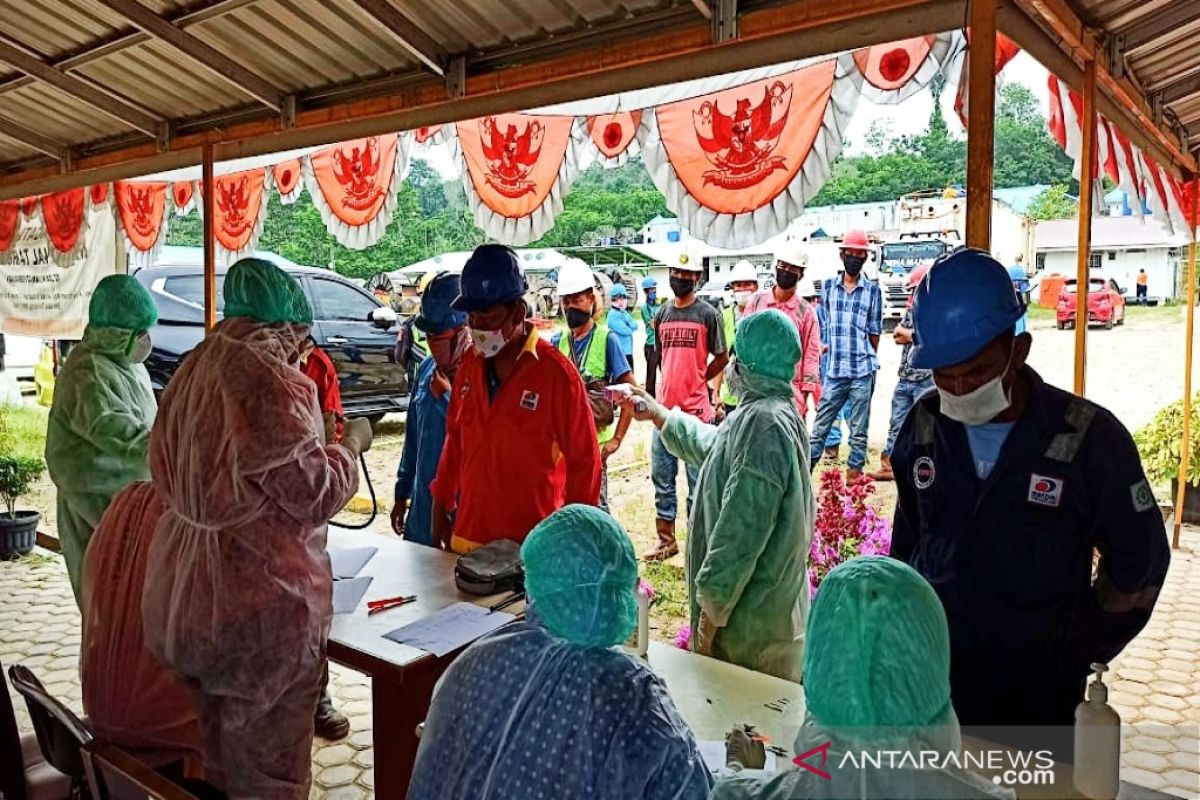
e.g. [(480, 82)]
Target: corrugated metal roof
[(1112, 233), (1160, 49), (300, 47)]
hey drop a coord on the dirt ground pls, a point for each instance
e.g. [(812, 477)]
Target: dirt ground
[(1133, 370)]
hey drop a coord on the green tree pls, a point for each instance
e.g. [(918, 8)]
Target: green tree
[(1053, 203)]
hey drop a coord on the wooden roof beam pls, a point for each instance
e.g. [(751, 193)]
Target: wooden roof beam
[(199, 51), (81, 90), (15, 131), (418, 44)]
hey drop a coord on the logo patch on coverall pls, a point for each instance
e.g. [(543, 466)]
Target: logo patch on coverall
[(1045, 491), (1143, 498), (529, 400), (923, 472)]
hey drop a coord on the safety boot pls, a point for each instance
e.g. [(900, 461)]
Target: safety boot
[(329, 723), (667, 546), (884, 473), (852, 475)]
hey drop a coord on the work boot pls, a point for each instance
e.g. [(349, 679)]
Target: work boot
[(830, 454), (667, 546), (852, 475), (329, 723), (884, 473)]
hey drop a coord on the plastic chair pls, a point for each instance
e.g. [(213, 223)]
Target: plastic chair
[(114, 774), (60, 734), (24, 773)]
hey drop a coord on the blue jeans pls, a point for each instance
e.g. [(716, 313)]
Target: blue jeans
[(903, 399), (837, 392), (834, 439), (664, 471)]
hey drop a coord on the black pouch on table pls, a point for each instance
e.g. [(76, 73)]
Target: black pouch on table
[(494, 568)]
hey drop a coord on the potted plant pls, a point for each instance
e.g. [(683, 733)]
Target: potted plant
[(18, 529), (1160, 444)]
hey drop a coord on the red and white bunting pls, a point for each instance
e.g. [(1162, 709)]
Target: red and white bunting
[(895, 71), (354, 186), (141, 214)]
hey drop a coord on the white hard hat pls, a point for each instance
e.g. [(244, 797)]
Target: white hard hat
[(575, 277), (742, 272), (815, 291), (793, 254), (689, 263)]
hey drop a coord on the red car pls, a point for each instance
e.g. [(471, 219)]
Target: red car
[(1106, 303)]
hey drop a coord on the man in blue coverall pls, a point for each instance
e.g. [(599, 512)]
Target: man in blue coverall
[(1006, 485), (425, 430)]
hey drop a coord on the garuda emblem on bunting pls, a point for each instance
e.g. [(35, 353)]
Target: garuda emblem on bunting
[(517, 169), (354, 183), (140, 208), (237, 209), (741, 146), (63, 213)]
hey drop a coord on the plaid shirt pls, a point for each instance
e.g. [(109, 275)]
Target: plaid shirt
[(854, 316)]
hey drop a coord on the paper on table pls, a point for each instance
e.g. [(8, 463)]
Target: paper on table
[(449, 629), (348, 593), (347, 562), (714, 757)]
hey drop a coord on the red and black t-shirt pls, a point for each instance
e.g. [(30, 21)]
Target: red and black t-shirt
[(687, 338)]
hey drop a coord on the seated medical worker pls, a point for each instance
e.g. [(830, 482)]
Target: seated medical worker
[(547, 707), (876, 678)]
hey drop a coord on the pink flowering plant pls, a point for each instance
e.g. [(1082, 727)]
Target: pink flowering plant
[(847, 526)]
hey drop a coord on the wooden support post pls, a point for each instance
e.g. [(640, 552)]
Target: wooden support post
[(1087, 161), (210, 253), (1185, 446), (981, 123)]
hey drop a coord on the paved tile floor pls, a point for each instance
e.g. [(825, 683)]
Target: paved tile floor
[(1155, 682)]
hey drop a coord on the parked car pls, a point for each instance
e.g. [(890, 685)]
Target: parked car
[(353, 327), (1106, 303), (20, 355)]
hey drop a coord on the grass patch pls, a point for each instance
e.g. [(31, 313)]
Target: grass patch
[(670, 592), (26, 430)]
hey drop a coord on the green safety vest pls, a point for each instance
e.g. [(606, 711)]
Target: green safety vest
[(730, 325), (595, 363)]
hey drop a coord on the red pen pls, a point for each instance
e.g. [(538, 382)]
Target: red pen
[(389, 602)]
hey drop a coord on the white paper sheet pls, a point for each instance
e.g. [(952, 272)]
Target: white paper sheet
[(449, 629), (347, 562), (348, 593), (714, 756)]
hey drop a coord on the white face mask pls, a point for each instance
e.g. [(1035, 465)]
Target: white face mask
[(489, 343), (979, 406), (741, 298), (141, 349)]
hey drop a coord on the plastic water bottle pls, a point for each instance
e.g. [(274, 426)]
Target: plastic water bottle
[(1097, 742)]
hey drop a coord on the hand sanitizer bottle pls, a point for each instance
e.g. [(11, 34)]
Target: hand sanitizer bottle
[(1097, 742)]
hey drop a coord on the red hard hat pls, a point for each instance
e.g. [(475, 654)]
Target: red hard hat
[(917, 274), (855, 240)]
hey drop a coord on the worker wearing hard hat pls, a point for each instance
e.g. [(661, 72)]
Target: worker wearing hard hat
[(854, 305), (743, 280), (785, 296), (1006, 488), (596, 352), (621, 322), (692, 350), (650, 310)]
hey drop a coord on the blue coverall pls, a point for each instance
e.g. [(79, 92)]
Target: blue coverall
[(1011, 556), (425, 433)]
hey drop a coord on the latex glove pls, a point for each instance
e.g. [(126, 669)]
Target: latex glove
[(399, 512), (644, 408), (357, 436), (743, 751), (706, 635)]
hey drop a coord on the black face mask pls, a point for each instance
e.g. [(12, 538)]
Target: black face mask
[(577, 318), (786, 280), (682, 287), (853, 264)]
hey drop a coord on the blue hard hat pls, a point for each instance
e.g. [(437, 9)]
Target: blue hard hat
[(961, 306), (618, 290), (491, 276), (437, 315), (649, 283)]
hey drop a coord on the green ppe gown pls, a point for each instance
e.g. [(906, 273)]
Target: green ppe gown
[(97, 436), (751, 526)]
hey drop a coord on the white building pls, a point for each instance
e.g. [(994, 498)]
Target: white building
[(1120, 247)]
